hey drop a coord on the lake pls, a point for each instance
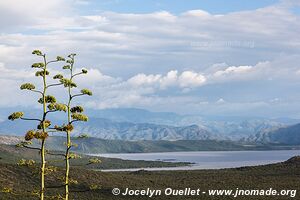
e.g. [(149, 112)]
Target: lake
[(207, 159)]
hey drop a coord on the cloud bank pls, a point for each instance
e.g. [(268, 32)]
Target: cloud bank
[(194, 62)]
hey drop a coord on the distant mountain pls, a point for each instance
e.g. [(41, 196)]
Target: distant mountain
[(10, 140), (237, 130), (285, 135), (139, 124), (107, 129), (231, 128), (135, 115)]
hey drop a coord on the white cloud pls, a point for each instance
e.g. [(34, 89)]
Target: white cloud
[(7, 73), (120, 50), (32, 13), (123, 43), (191, 79), (95, 76), (260, 71), (169, 80), (187, 79), (197, 13), (142, 79), (221, 101), (233, 70)]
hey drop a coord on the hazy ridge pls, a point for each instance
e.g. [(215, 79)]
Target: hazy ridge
[(138, 124)]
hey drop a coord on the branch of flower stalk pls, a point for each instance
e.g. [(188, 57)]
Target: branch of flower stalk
[(51, 111), (30, 119), (56, 84), (69, 148), (33, 148), (54, 131), (56, 154), (77, 95), (37, 91), (76, 74), (53, 61), (74, 121)]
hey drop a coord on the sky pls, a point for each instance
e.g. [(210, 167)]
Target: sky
[(216, 57)]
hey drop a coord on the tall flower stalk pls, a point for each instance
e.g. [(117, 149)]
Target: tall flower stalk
[(48, 105), (74, 114)]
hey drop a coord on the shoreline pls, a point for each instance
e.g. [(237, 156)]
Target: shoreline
[(204, 160)]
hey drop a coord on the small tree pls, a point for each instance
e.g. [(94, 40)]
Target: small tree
[(49, 105), (75, 113)]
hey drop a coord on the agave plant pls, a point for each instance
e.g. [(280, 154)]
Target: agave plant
[(75, 113), (49, 105)]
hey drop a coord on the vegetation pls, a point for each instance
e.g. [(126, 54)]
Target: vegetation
[(12, 155), (17, 182), (45, 126), (74, 114), (49, 104)]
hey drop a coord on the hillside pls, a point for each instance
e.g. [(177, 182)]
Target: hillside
[(97, 145), (23, 180), (11, 155), (287, 135), (107, 129)]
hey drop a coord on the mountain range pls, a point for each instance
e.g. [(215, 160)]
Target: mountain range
[(138, 124), (286, 135)]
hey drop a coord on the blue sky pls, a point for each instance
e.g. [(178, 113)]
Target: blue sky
[(213, 57), (173, 6)]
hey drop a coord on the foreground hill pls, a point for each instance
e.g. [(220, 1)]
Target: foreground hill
[(18, 182), (12, 155)]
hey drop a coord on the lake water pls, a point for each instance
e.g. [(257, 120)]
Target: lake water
[(208, 159)]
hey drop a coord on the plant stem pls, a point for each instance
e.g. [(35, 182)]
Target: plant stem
[(67, 166), (68, 140), (42, 170), (43, 160)]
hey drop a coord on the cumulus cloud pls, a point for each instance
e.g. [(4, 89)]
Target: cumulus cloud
[(197, 13), (142, 79), (152, 59), (169, 80), (187, 79), (143, 90), (233, 70), (191, 79)]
